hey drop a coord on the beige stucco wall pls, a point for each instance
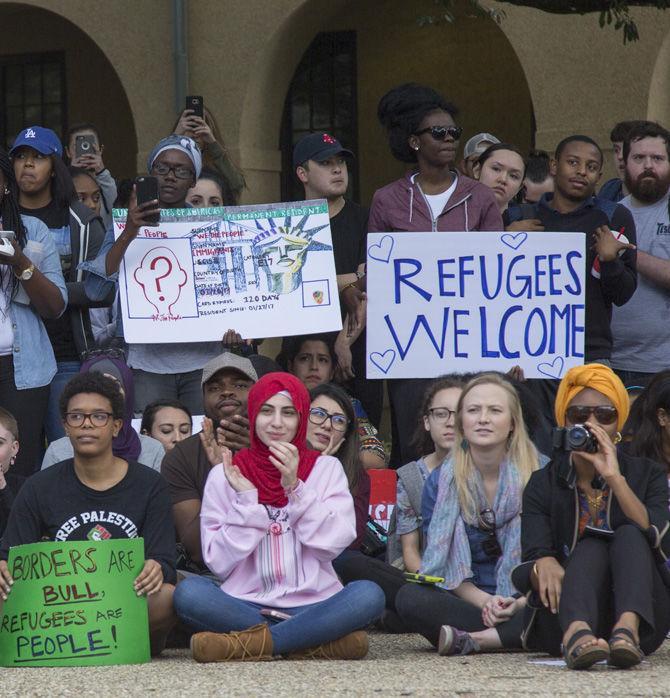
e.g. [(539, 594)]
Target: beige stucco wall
[(243, 54)]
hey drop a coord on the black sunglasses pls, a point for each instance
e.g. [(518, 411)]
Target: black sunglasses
[(487, 523), (439, 133), (604, 414)]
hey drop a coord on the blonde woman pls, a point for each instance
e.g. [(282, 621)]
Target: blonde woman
[(474, 535)]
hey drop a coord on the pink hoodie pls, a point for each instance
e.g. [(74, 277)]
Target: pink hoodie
[(401, 206), (278, 557)]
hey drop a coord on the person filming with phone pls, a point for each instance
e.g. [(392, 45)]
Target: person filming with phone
[(161, 371), (84, 151), (594, 534), (32, 287)]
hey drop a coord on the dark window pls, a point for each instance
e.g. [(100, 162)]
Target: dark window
[(322, 97), (32, 93)]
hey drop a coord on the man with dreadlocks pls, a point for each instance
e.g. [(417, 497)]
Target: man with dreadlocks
[(31, 288)]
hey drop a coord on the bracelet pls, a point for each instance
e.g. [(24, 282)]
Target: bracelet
[(351, 285)]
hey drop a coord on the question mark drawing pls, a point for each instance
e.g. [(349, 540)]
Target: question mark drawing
[(152, 266), (161, 278)]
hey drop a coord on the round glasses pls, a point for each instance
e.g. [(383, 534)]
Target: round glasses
[(97, 419), (318, 416), (604, 414), (439, 133), (180, 171), (441, 414)]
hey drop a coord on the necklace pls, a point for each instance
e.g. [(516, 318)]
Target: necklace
[(595, 500)]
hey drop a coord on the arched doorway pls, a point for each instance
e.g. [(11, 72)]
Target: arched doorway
[(472, 62), (54, 73)]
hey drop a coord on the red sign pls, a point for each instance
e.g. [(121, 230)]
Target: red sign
[(383, 485)]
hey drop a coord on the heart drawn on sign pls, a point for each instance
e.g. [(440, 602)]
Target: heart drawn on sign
[(382, 250), (514, 241), (553, 369), (318, 297), (383, 361)]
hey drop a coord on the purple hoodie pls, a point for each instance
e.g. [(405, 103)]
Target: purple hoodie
[(402, 206)]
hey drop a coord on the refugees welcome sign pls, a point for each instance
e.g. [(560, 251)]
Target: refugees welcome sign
[(73, 604), (474, 301)]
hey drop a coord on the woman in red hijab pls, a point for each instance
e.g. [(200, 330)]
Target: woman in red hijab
[(272, 520)]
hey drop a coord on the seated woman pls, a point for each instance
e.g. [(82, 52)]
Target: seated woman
[(332, 432), (10, 483), (312, 359), (593, 536), (127, 444), (167, 421), (473, 540), (648, 425), (435, 439), (94, 479), (272, 520)]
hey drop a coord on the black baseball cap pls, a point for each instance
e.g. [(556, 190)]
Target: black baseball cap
[(319, 147)]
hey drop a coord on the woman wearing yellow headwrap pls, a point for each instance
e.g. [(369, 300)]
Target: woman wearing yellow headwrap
[(593, 526)]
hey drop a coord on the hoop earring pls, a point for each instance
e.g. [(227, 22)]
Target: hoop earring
[(617, 438), (12, 460)]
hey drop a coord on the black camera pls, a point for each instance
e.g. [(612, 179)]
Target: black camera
[(575, 438)]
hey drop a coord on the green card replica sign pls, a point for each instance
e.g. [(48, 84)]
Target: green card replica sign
[(73, 604)]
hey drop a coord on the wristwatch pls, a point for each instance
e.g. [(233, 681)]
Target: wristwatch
[(26, 274)]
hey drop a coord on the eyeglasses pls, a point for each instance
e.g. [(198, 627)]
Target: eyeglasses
[(318, 416), (439, 133), (487, 523), (97, 419), (604, 414), (441, 414), (180, 171)]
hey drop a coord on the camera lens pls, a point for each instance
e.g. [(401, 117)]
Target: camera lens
[(578, 438)]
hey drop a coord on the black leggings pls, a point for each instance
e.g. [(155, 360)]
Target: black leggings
[(605, 578), (426, 609), (352, 565), (29, 408)]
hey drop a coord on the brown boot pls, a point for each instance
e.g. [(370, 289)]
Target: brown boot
[(251, 645), (351, 646)]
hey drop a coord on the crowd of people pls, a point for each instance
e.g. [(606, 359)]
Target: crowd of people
[(530, 514)]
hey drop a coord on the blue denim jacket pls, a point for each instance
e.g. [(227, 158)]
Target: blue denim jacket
[(34, 362)]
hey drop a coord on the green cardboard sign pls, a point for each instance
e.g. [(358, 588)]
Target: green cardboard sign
[(73, 604)]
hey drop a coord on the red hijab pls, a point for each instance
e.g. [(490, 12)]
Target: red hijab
[(254, 462)]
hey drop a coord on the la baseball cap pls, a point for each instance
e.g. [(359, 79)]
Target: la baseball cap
[(41, 139), (318, 147), (230, 361), (474, 144)]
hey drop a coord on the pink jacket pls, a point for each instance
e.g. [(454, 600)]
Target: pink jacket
[(278, 557), (401, 206)]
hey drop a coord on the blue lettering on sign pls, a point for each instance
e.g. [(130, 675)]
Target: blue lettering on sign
[(503, 327), (535, 312), (485, 281), (577, 289), (459, 331), (400, 277), (420, 321), (443, 275)]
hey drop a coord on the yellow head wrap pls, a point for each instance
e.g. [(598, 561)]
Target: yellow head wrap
[(597, 377)]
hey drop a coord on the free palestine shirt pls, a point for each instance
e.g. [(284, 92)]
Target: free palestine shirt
[(54, 504)]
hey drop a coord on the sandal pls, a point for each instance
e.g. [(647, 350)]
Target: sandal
[(624, 655), (582, 657)]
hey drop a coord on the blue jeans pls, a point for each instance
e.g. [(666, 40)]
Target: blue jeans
[(53, 426), (202, 606)]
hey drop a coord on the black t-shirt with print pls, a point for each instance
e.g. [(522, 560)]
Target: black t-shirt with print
[(54, 504)]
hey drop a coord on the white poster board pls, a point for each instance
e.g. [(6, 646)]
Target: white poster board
[(460, 302), (264, 271)]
